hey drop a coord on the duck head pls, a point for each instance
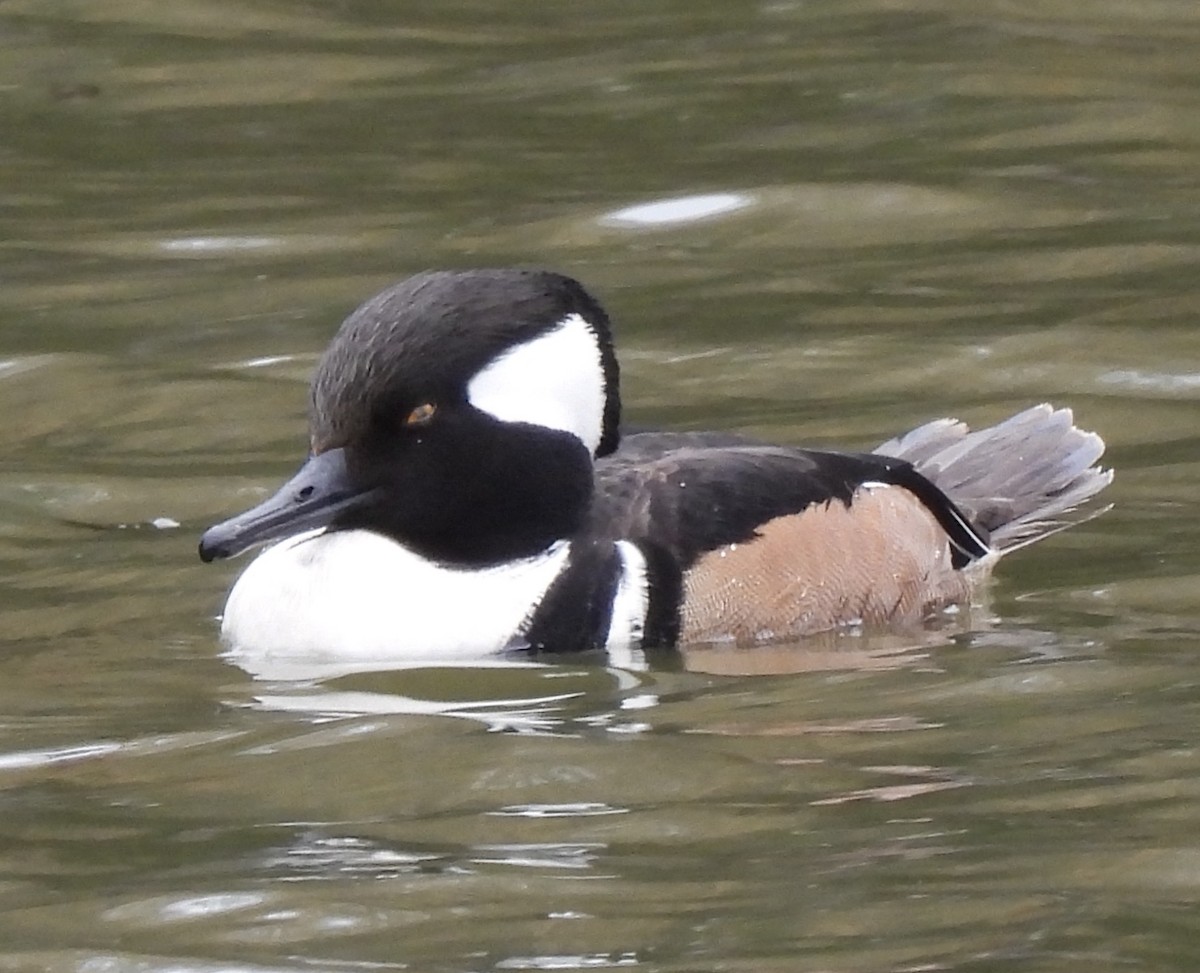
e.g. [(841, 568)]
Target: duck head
[(458, 413)]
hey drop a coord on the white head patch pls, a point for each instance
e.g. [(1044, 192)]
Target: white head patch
[(555, 380)]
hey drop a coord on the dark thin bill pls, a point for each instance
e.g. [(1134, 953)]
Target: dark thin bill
[(310, 499)]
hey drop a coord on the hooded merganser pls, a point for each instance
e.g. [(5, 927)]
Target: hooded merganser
[(467, 491)]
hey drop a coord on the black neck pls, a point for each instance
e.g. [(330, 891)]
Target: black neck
[(490, 498)]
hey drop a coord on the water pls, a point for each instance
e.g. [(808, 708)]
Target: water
[(814, 222)]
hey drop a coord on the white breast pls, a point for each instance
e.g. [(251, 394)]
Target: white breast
[(354, 596)]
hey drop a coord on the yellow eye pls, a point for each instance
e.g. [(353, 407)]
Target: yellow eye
[(421, 414)]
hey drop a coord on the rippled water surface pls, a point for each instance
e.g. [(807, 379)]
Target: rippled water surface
[(817, 222)]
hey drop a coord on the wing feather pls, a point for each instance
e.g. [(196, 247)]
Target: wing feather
[(689, 493)]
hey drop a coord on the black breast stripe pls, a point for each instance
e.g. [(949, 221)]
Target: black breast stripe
[(575, 613), (664, 580)]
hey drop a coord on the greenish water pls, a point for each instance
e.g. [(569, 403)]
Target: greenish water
[(913, 209)]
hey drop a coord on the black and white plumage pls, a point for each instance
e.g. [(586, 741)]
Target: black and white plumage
[(468, 491)]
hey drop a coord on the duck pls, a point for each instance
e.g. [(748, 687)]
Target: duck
[(468, 491)]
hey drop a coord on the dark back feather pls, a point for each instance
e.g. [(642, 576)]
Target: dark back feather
[(688, 493)]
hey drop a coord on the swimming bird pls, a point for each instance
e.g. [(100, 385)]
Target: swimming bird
[(468, 490)]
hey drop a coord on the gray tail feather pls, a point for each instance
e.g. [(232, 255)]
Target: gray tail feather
[(1019, 480)]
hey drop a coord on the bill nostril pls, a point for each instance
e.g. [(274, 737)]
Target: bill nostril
[(305, 493)]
